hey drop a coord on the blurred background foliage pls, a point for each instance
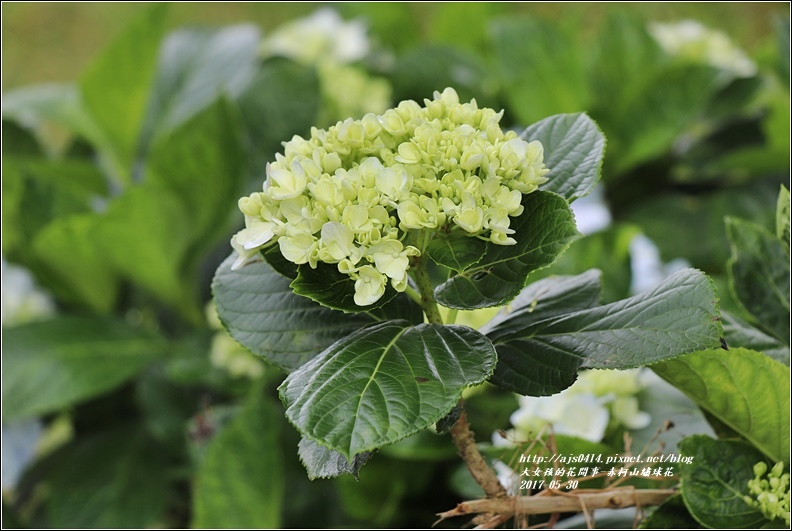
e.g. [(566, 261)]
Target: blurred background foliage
[(129, 131)]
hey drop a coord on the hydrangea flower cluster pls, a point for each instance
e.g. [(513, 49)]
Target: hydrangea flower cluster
[(695, 42), (322, 36), (366, 195), (772, 494), (595, 401)]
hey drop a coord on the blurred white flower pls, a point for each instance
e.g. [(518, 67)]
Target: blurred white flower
[(22, 299), (690, 40), (19, 449), (596, 400), (507, 477), (322, 36), (591, 212), (648, 269), (578, 415), (228, 355)]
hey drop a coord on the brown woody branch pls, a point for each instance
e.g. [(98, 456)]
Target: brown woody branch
[(579, 500), (466, 447)]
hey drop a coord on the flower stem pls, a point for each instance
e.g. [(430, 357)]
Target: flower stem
[(414, 295), (428, 303), (461, 434)]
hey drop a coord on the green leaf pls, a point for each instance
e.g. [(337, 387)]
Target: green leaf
[(473, 16), (455, 250), (746, 390), (50, 365), (759, 275), (281, 101), (783, 218), (57, 103), (624, 55), (607, 250), (196, 66), (333, 289), (321, 462), (203, 162), (43, 191), (542, 343), (738, 333), (425, 69), (543, 231), (527, 51), (116, 479), (660, 217), (116, 87), (714, 483), (646, 121), (445, 424), (76, 263), (671, 514), (384, 383), (239, 483), (166, 406), (574, 147), (145, 235), (18, 141), (260, 311)]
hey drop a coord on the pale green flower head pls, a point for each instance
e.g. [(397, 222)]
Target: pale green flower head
[(770, 494), (367, 195), (692, 41), (321, 36)]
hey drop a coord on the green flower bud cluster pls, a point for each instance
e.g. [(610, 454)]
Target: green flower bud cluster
[(367, 194), (770, 494)]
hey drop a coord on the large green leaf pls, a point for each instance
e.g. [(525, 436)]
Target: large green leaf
[(60, 103), (573, 147), (746, 390), (145, 235), (661, 215), (281, 101), (651, 116), (541, 348), (76, 263), (117, 479), (239, 483), (759, 275), (716, 480), (116, 87), (260, 311), (541, 68), (384, 383), (50, 365), (739, 333), (624, 55), (322, 462), (42, 192), (543, 231), (198, 65), (204, 163)]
